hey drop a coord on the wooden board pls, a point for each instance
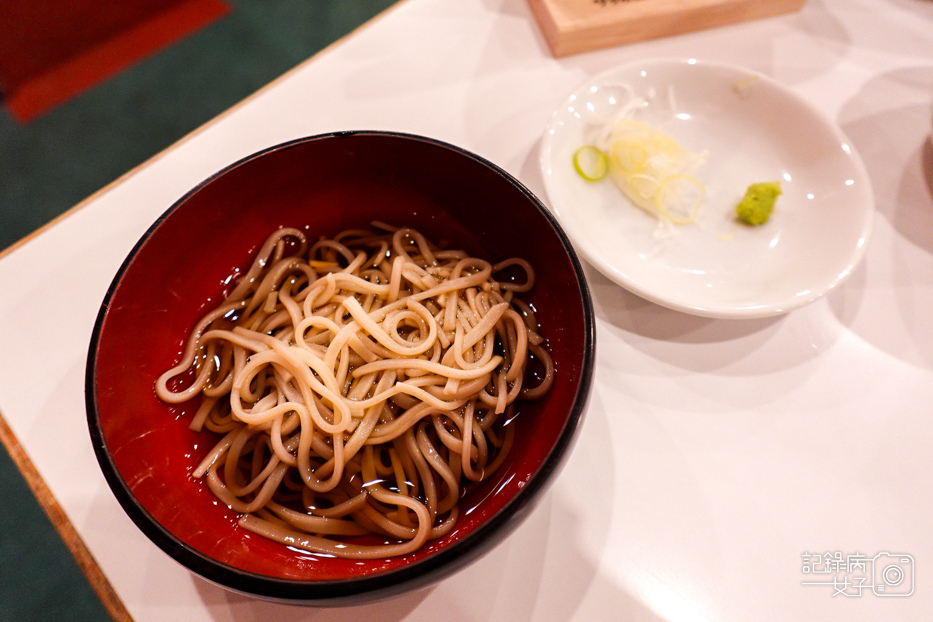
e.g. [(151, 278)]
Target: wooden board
[(574, 26)]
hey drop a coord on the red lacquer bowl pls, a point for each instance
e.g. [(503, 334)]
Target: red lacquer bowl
[(176, 273)]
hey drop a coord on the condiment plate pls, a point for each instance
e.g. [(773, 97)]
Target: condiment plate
[(753, 129)]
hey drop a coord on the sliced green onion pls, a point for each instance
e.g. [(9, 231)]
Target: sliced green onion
[(590, 163)]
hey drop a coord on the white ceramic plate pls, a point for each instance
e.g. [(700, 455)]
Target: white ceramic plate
[(754, 130)]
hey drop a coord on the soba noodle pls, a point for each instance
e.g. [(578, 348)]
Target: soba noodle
[(360, 383)]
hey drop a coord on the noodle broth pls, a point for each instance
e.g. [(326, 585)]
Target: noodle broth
[(182, 268)]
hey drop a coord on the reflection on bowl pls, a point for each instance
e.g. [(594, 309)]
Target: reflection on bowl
[(180, 269)]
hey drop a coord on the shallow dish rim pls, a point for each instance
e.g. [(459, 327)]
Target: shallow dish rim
[(651, 292)]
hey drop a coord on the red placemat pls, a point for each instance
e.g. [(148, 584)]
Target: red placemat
[(50, 52)]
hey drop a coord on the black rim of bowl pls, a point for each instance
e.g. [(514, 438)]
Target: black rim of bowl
[(385, 584)]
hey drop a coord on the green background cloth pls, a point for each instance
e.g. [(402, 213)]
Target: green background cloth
[(49, 165)]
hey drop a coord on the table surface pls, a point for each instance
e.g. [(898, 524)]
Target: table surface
[(715, 457)]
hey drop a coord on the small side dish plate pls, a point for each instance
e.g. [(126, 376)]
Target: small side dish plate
[(752, 129)]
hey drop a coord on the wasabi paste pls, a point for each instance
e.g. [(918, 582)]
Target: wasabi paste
[(758, 203)]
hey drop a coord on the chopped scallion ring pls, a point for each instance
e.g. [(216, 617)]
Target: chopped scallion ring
[(679, 198), (590, 163)]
